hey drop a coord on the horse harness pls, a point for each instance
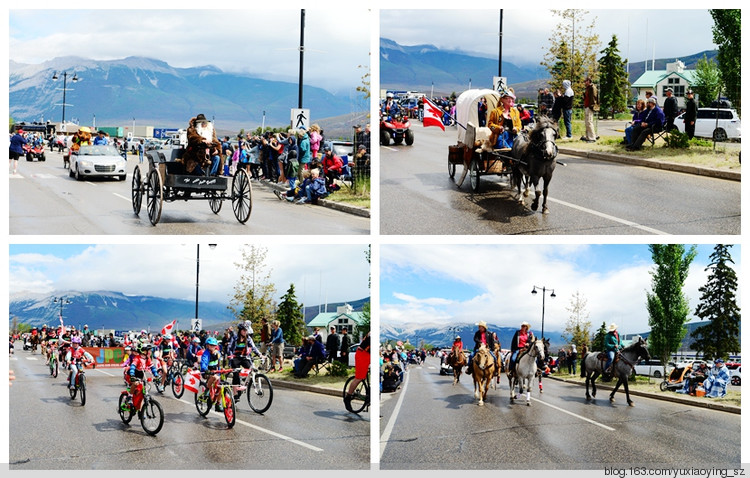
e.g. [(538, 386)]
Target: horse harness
[(539, 147)]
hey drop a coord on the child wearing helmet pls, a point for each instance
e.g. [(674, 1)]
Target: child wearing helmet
[(76, 355), (240, 351), (210, 361)]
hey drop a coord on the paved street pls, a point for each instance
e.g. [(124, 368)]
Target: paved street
[(438, 426), (44, 200), (49, 431), (585, 197)]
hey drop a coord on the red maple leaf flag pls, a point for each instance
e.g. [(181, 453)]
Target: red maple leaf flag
[(192, 381), (169, 327), (433, 115)]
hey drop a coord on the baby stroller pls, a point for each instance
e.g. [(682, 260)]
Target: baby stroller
[(676, 379)]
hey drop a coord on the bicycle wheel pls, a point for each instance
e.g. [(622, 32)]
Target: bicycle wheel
[(259, 393), (178, 385), (230, 408), (125, 408), (82, 387), (361, 396), (202, 402), (73, 391), (152, 416), (53, 367)]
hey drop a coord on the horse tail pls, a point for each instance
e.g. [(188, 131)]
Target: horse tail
[(583, 365)]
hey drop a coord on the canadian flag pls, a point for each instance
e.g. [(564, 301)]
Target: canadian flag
[(62, 326), (433, 115), (169, 327), (192, 381)]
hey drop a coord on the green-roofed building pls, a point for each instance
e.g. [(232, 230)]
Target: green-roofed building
[(343, 318), (657, 81)]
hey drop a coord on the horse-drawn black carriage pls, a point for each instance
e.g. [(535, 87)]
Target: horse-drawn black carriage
[(166, 180)]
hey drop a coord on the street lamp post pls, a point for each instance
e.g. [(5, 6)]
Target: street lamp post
[(544, 292), (63, 301), (197, 273), (65, 88)]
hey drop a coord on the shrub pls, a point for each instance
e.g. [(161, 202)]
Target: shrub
[(676, 140), (339, 369)]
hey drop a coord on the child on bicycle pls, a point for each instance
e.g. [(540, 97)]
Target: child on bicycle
[(76, 355), (140, 362), (210, 362), (240, 351), (193, 352), (361, 367)]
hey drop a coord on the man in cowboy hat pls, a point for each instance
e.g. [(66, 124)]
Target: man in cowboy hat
[(482, 336), (522, 337), (504, 119), (612, 345)]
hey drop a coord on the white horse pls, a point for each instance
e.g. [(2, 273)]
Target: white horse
[(525, 370)]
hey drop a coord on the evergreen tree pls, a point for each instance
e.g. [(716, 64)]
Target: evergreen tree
[(289, 314), (708, 82), (572, 51), (577, 328), (727, 32), (667, 305), (718, 304), (253, 293), (597, 343), (613, 81)]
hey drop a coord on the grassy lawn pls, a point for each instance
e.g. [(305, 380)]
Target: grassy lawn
[(700, 152), (323, 379), (733, 396), (359, 196)]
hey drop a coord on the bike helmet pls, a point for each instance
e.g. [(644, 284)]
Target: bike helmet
[(196, 340), (389, 95), (212, 341), (167, 336), (76, 340)]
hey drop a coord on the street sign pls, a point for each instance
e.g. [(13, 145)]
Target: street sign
[(498, 81), (301, 118), (196, 325)]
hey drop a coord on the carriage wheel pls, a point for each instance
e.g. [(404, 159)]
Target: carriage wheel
[(215, 202), (242, 196), (474, 174), (136, 193), (154, 196), (451, 170)]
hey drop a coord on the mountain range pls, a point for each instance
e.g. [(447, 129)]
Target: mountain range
[(420, 67), (115, 310), (145, 91), (441, 335)]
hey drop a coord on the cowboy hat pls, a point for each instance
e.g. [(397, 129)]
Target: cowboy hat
[(528, 325), (481, 323), (200, 117), (612, 327)]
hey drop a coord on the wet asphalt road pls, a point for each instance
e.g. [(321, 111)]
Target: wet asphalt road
[(586, 197), (439, 426), (49, 431), (45, 200)]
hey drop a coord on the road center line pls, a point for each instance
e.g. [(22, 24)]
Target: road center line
[(575, 415), (611, 218), (122, 197), (386, 435), (264, 430)]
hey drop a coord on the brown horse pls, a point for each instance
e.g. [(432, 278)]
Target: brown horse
[(483, 371), (457, 360)]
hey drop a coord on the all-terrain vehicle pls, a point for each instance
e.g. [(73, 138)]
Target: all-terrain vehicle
[(396, 128), (34, 151)]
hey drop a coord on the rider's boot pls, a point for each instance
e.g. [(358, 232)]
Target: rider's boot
[(348, 401)]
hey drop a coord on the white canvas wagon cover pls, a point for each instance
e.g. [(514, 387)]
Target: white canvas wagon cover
[(467, 111)]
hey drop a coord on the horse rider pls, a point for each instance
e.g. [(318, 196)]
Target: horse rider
[(482, 336), (612, 345), (521, 339)]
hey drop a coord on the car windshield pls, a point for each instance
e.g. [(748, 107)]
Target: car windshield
[(99, 150)]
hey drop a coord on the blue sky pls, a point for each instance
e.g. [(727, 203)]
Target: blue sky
[(467, 283), (168, 270)]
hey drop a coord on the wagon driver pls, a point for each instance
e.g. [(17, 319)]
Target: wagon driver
[(504, 121), (203, 147)]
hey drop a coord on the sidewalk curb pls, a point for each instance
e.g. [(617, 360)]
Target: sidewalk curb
[(307, 388), (676, 398), (343, 207), (649, 163)]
